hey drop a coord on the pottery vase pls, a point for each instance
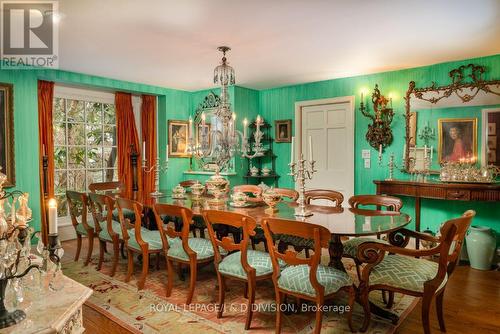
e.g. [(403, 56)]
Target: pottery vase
[(481, 244)]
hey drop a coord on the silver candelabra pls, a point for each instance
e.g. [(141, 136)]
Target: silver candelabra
[(157, 168), (304, 171)]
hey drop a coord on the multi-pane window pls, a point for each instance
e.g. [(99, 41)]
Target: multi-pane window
[(85, 148)]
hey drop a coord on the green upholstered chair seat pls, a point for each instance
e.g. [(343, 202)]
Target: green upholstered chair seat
[(261, 261), (126, 213), (404, 272), (104, 230), (153, 238), (296, 279), (202, 247), (81, 229), (351, 245), (297, 241)]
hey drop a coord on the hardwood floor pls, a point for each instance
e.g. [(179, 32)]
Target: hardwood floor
[(471, 305)]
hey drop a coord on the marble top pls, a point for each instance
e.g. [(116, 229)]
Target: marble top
[(49, 311)]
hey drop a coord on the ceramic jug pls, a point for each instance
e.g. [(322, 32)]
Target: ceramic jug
[(481, 244)]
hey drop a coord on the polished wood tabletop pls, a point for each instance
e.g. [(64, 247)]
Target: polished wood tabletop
[(340, 222)]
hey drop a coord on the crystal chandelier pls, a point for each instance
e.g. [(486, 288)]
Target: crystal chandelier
[(223, 141)]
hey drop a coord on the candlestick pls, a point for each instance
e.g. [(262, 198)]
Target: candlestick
[(304, 171), (52, 208), (380, 154), (144, 151)]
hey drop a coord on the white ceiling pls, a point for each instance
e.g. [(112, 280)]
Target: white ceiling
[(172, 43)]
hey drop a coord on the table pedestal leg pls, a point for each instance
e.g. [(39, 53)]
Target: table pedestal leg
[(336, 250)]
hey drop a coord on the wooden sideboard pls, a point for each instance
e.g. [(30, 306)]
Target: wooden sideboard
[(438, 190)]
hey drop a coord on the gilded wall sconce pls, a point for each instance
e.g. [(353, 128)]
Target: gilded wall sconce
[(379, 133)]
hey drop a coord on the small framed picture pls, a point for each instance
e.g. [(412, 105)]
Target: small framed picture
[(457, 139), (492, 129), (492, 142), (177, 138), (283, 131)]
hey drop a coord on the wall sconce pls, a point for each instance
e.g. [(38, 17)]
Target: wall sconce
[(379, 133)]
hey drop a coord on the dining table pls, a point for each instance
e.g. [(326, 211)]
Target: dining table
[(341, 222)]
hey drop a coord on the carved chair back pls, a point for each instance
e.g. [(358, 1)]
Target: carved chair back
[(126, 225), (319, 234), (245, 223), (390, 203), (331, 195), (452, 236), (78, 209), (108, 188), (292, 194), (185, 214), (249, 188), (101, 207)]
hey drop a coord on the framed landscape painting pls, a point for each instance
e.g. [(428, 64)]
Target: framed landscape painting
[(177, 138), (457, 139), (7, 133)]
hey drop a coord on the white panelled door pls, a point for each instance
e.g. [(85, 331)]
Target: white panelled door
[(331, 127)]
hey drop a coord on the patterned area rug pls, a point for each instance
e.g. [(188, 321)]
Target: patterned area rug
[(149, 311)]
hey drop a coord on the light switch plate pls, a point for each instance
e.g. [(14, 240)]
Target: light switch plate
[(367, 163), (365, 154)]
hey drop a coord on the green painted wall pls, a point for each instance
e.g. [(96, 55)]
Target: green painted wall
[(279, 103)]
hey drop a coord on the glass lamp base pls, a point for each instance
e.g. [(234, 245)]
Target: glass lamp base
[(302, 213)]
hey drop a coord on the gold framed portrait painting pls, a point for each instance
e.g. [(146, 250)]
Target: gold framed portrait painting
[(457, 139), (7, 134), (178, 138)]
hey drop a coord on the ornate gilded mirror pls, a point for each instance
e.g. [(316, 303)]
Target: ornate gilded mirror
[(452, 123)]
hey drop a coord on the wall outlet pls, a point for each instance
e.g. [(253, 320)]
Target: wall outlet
[(367, 163), (365, 154)]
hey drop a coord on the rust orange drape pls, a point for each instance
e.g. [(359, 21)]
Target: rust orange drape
[(46, 147), (148, 130), (128, 140)]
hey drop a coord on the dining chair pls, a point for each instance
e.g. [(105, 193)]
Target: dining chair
[(107, 229), (305, 278), (254, 190), (299, 244), (243, 264), (336, 198), (402, 270), (182, 249), (83, 224), (112, 189), (290, 194), (392, 204), (138, 240)]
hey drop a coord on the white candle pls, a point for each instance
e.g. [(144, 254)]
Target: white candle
[(190, 128), (166, 155), (425, 151), (380, 150), (233, 124), (310, 149), (52, 208), (144, 150), (292, 149), (245, 123), (432, 149)]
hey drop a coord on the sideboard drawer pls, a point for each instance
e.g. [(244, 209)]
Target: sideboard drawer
[(458, 194)]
